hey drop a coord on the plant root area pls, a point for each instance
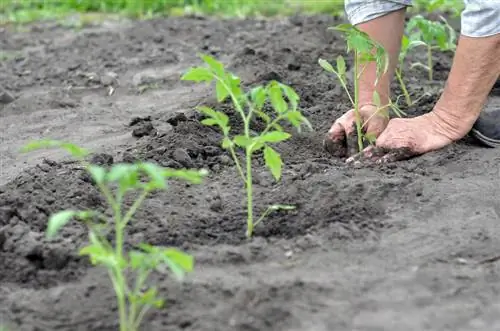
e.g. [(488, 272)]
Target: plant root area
[(406, 246)]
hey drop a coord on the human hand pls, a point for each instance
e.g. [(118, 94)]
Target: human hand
[(406, 138), (342, 138)]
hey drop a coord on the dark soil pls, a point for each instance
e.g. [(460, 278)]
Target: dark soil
[(394, 247)]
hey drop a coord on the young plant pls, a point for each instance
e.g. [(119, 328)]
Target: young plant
[(406, 45), (134, 297), (366, 51), (432, 34), (249, 106)]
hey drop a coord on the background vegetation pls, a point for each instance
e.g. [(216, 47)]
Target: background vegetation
[(21, 11)]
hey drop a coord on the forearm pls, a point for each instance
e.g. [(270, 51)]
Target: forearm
[(475, 69), (388, 31), (383, 21)]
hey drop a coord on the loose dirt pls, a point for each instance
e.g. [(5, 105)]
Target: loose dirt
[(397, 247)]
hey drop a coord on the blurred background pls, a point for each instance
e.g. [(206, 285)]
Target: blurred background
[(22, 11)]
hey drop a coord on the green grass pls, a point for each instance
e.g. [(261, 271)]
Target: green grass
[(22, 11)]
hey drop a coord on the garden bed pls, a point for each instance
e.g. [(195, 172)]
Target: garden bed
[(392, 247)]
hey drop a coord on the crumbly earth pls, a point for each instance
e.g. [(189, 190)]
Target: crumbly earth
[(406, 246)]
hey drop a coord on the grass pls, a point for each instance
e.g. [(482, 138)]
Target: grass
[(24, 11)]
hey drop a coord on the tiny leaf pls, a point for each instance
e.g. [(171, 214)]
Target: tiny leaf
[(222, 92), (98, 173), (258, 97), (209, 122), (274, 137), (242, 141), (216, 66), (341, 67), (327, 66), (273, 162), (198, 74), (276, 96), (58, 221)]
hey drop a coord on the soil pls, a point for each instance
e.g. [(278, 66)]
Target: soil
[(403, 246)]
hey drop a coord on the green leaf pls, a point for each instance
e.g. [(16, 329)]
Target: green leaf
[(226, 143), (222, 92), (216, 66), (273, 162), (221, 119), (127, 175), (58, 220), (136, 259), (292, 96), (257, 145), (274, 137), (73, 150), (341, 67), (276, 96), (98, 173), (242, 141), (179, 262), (282, 207), (258, 97), (99, 254), (198, 74), (119, 171), (234, 85), (192, 176), (156, 175), (326, 65), (263, 115), (209, 122)]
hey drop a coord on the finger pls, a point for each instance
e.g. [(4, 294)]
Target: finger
[(334, 141), (335, 147), (397, 154)]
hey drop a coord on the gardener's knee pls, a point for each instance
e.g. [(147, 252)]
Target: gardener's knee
[(361, 11)]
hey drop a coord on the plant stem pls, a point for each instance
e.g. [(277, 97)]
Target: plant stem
[(237, 162), (356, 102), (117, 279), (133, 309), (429, 61), (249, 192), (403, 87)]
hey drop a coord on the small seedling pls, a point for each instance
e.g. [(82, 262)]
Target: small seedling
[(406, 46), (366, 51), (432, 34), (134, 297), (249, 106)]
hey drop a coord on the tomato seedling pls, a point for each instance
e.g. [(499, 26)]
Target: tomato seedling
[(432, 34), (406, 46), (366, 51), (134, 297), (249, 106)]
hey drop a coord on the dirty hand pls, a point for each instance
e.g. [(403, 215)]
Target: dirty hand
[(406, 138), (342, 138)]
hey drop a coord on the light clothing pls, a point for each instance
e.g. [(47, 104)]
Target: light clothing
[(480, 18)]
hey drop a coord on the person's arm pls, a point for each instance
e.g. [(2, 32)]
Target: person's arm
[(383, 21), (388, 31), (475, 69)]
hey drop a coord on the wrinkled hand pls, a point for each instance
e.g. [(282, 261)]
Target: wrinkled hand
[(342, 138), (406, 138)]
